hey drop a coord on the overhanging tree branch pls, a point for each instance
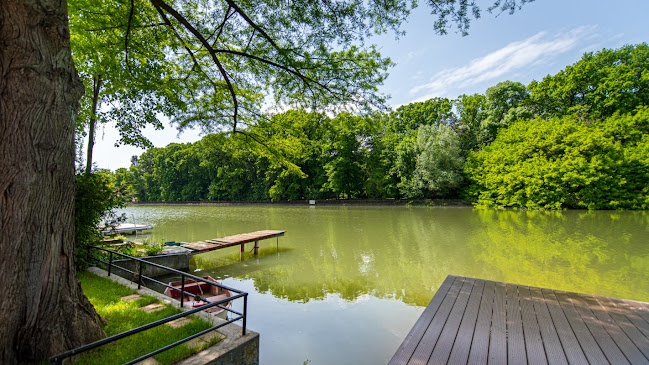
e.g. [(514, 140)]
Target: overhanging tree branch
[(162, 5), (128, 31)]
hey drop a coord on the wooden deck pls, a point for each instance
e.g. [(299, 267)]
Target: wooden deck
[(474, 321), (239, 239)]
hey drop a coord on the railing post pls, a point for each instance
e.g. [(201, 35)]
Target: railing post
[(245, 313), (110, 263), (139, 278), (182, 290)]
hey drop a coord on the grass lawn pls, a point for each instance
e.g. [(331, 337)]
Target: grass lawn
[(122, 315)]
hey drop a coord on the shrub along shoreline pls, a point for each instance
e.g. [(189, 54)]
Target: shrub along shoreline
[(328, 202)]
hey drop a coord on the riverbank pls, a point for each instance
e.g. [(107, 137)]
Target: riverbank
[(225, 345), (123, 309), (327, 202)]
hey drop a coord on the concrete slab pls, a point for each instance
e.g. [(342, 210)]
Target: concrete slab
[(179, 322), (169, 250), (149, 361), (176, 261), (204, 339), (131, 297), (153, 307)]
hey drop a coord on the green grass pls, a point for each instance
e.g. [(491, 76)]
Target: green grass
[(120, 316)]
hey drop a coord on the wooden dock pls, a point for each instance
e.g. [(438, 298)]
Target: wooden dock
[(474, 321), (238, 239)]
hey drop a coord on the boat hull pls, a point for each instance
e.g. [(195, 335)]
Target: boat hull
[(210, 293)]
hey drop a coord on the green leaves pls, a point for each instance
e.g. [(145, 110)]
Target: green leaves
[(526, 148), (211, 65), (565, 163), (597, 86), (439, 163), (95, 202)]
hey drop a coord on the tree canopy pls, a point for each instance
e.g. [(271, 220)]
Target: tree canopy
[(216, 65), (519, 152)]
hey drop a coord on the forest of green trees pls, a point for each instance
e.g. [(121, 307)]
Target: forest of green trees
[(577, 139)]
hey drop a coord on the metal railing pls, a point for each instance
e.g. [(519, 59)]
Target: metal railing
[(220, 304)]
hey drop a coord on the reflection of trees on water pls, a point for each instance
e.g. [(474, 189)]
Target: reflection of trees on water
[(406, 253), (403, 254), (604, 253)]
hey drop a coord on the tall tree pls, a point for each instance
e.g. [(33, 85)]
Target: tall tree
[(597, 86), (439, 164), (130, 82), (343, 153), (503, 107), (43, 308), (301, 53), (471, 110), (566, 163)]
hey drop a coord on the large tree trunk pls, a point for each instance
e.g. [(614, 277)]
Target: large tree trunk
[(43, 310)]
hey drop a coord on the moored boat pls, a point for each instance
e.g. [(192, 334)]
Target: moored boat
[(210, 293)]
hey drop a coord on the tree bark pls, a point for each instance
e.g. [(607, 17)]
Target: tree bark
[(43, 310)]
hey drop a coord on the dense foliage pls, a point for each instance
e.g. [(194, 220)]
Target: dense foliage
[(577, 139), (94, 203), (563, 162)]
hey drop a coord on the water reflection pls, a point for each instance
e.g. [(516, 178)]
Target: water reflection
[(340, 271), (593, 252), (405, 253)]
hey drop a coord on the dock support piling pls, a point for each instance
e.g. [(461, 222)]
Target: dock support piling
[(256, 247), (243, 249)]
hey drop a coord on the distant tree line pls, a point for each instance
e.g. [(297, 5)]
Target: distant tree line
[(577, 139)]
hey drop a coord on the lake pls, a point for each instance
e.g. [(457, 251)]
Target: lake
[(347, 283)]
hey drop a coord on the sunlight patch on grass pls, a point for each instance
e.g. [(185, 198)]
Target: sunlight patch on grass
[(122, 316)]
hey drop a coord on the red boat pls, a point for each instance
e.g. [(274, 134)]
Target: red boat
[(206, 291)]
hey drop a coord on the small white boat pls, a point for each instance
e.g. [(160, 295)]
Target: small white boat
[(126, 228)]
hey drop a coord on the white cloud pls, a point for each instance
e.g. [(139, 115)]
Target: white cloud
[(515, 56)]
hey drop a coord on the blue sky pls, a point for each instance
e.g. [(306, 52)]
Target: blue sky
[(541, 39)]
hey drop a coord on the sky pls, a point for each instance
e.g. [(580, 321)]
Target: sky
[(539, 40)]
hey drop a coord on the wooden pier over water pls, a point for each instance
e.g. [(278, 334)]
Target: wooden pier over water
[(238, 239), (178, 257), (474, 321)]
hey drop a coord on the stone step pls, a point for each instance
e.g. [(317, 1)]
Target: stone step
[(153, 307), (178, 322), (131, 297)]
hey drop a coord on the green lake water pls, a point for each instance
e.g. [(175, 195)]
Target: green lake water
[(347, 283)]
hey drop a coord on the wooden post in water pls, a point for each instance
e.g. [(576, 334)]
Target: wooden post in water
[(243, 247), (256, 247)]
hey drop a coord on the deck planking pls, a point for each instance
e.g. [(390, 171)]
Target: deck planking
[(475, 321), (238, 239)]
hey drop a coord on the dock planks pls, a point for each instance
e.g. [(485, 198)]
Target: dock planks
[(238, 239), (475, 321)]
